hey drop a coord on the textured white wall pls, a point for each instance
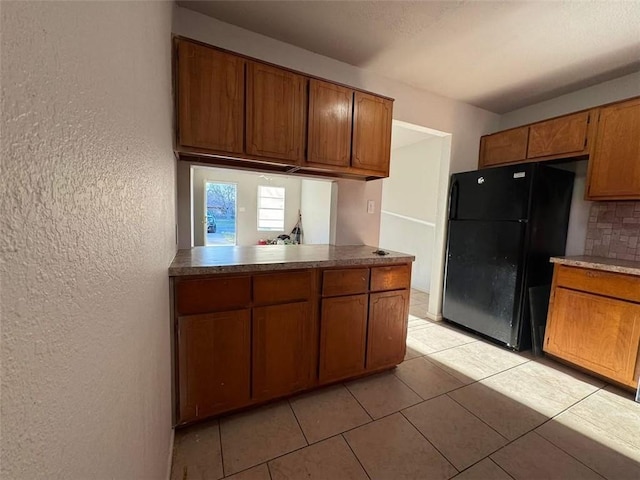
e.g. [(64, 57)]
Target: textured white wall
[(412, 191), (247, 199), (412, 187), (87, 217), (315, 204)]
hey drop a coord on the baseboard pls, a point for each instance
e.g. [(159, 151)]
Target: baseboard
[(170, 459), (436, 317)]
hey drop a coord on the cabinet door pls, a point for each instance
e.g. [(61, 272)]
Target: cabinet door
[(276, 113), (559, 136), (387, 332), (343, 336), (213, 363), (210, 96), (285, 349), (504, 147), (330, 122), (614, 166), (598, 333), (371, 133)]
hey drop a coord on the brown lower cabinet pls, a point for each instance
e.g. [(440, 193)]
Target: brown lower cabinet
[(594, 322), (213, 363), (250, 338), (343, 337), (386, 344), (284, 349)]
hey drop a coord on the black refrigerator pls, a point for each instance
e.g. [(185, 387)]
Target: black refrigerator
[(504, 224)]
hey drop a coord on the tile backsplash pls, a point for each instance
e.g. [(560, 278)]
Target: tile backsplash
[(614, 230)]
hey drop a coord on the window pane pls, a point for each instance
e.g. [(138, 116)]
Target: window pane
[(272, 192), (271, 214), (273, 225), (271, 203)]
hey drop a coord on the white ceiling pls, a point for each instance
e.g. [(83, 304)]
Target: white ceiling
[(498, 55)]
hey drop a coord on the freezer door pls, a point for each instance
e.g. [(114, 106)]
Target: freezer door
[(492, 194), (483, 279)]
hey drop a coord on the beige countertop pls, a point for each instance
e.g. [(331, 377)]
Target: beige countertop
[(210, 260), (600, 263)]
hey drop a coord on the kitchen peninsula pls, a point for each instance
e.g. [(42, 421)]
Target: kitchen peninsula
[(252, 324)]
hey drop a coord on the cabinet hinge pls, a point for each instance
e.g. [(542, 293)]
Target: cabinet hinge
[(585, 143), (588, 119), (197, 410)]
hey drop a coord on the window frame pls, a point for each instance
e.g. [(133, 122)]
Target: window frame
[(259, 208)]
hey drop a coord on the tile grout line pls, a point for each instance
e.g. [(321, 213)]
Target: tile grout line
[(269, 470), (354, 453), (558, 446), (220, 440), (298, 422), (533, 430), (565, 452), (429, 442), (358, 402), (496, 464)]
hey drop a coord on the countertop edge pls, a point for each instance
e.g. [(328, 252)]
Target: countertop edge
[(594, 264), (277, 266)]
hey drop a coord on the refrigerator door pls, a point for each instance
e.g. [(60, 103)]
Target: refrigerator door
[(492, 194), (483, 279)]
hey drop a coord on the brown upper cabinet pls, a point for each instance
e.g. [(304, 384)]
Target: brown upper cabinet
[(614, 166), (237, 112), (330, 124), (276, 113), (560, 137), (210, 99), (504, 147), (371, 133), (608, 136), (564, 135)]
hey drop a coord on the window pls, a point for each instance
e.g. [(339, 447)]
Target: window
[(270, 209), (220, 211)]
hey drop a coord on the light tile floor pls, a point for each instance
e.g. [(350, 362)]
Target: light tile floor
[(458, 407)]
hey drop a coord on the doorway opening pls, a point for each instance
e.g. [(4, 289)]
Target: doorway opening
[(413, 202), (220, 214)]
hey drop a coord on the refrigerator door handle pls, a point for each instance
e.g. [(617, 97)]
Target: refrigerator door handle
[(453, 200)]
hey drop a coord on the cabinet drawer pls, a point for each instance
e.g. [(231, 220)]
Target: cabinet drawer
[(618, 285), (205, 295), (276, 288), (390, 278), (346, 281)]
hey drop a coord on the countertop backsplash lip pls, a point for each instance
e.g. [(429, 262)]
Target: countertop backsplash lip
[(255, 258), (616, 265)]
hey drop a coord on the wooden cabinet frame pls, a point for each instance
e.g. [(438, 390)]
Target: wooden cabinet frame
[(280, 299), (594, 323), (294, 160)]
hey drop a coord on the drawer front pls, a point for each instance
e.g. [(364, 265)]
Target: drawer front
[(206, 295), (618, 285), (346, 281), (390, 278), (283, 287)]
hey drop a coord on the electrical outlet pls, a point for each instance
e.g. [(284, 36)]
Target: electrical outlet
[(371, 206)]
